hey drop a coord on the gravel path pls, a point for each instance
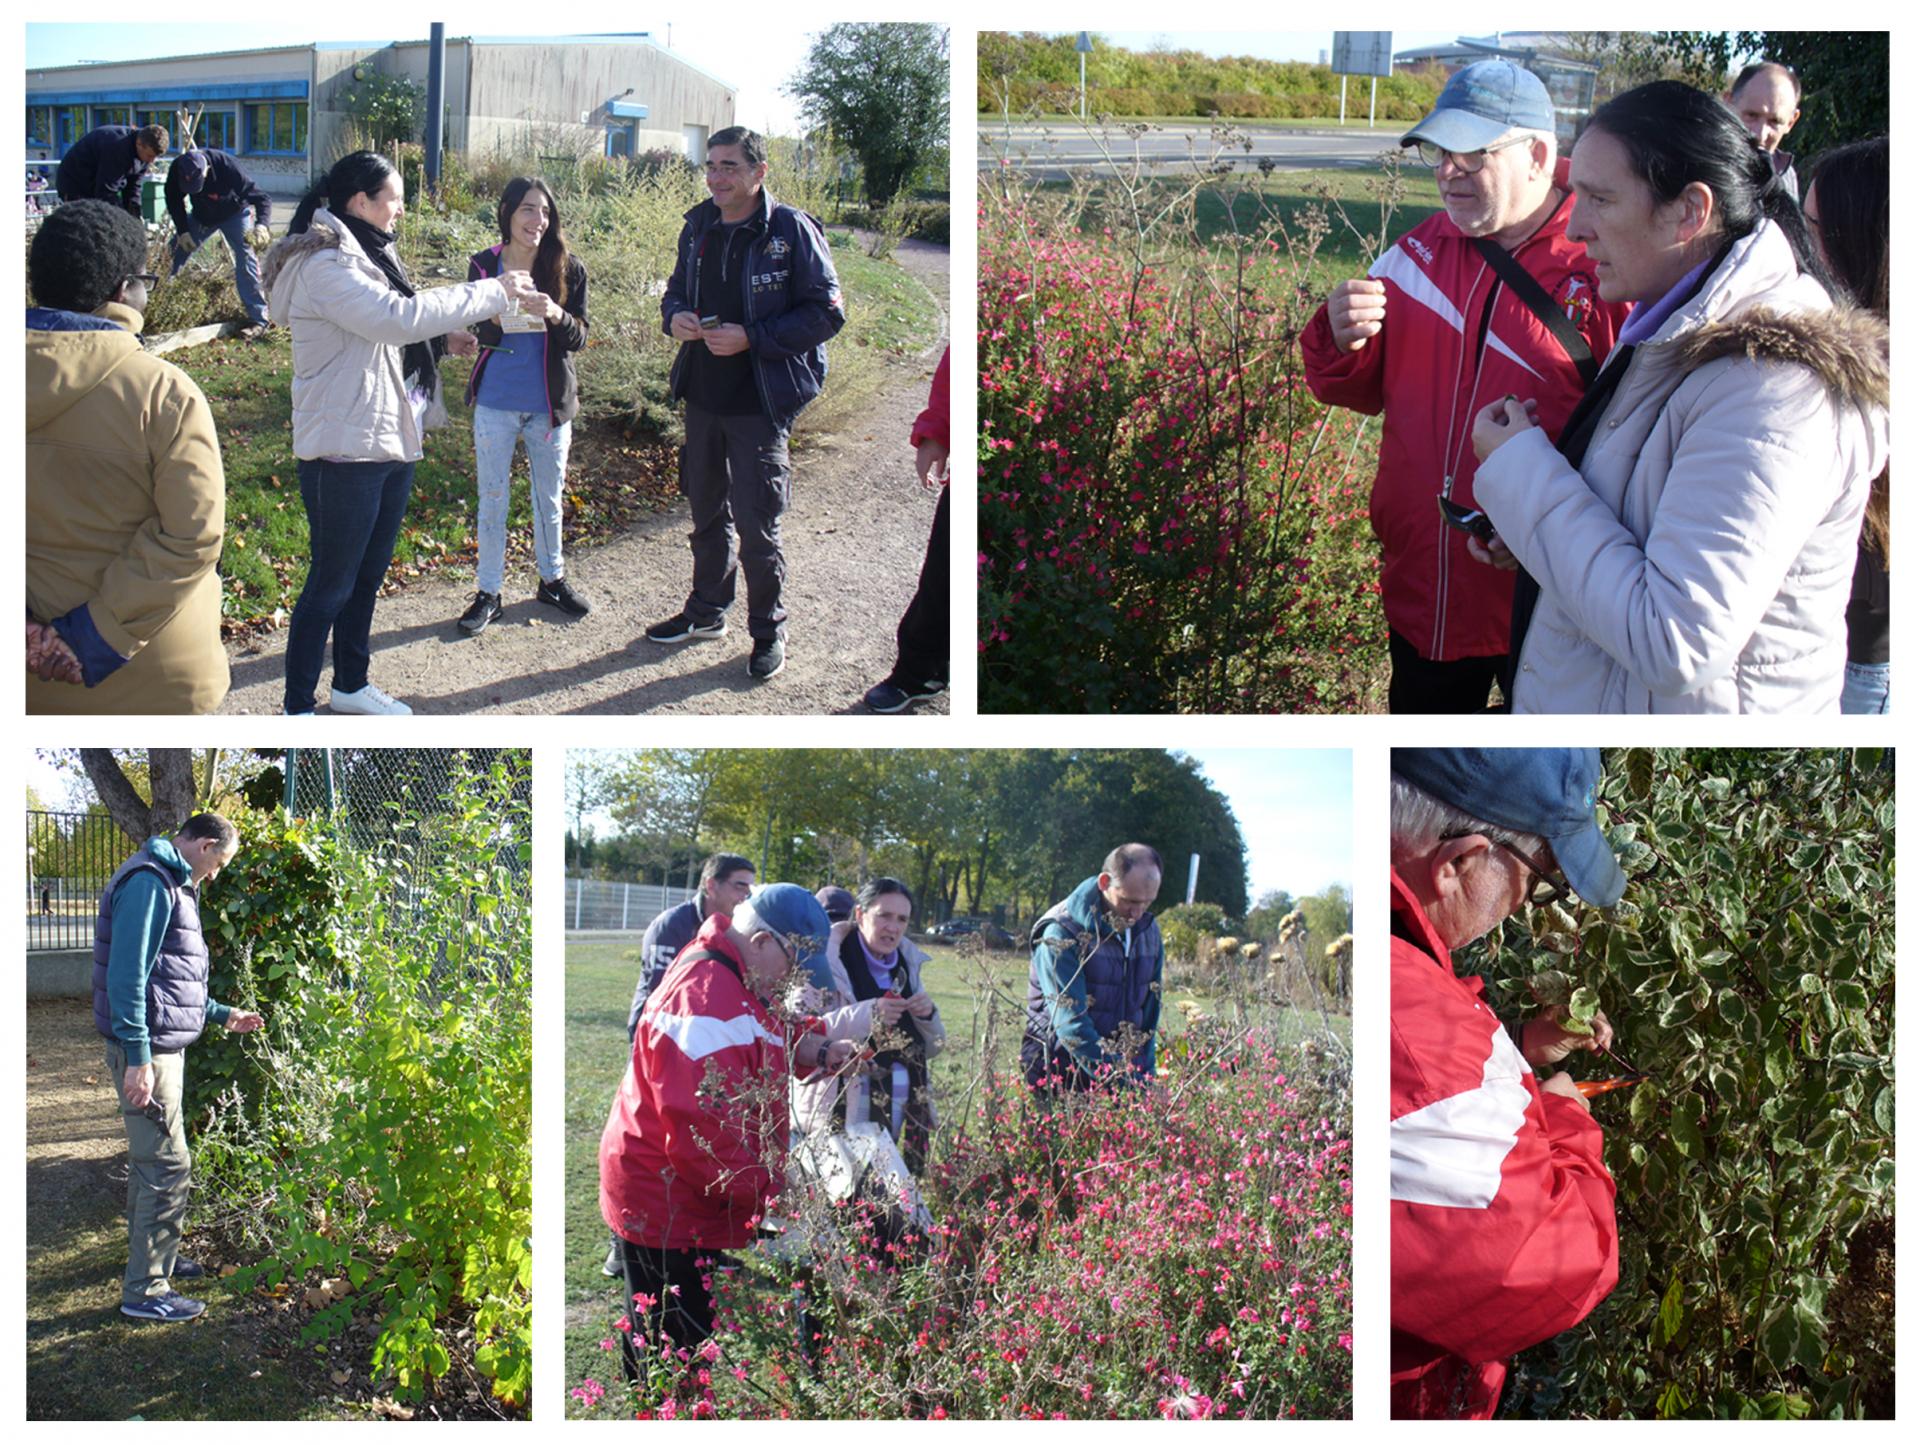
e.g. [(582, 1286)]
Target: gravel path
[(854, 538)]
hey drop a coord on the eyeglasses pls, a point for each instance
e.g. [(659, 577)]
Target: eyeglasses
[(1545, 888), (1468, 163), (727, 168), (145, 278)]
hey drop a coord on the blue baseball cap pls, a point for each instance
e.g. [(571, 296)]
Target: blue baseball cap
[(193, 168), (837, 901), (796, 915), (1481, 103), (1548, 791)]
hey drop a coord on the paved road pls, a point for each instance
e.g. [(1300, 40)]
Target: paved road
[(1058, 148)]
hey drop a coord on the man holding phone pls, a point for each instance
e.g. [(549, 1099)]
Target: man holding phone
[(753, 300), (1486, 298), (150, 1003)]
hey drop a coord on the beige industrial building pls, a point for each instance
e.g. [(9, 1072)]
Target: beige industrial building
[(284, 110)]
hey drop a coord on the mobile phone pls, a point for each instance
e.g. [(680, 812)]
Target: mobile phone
[(707, 323), (1466, 519)]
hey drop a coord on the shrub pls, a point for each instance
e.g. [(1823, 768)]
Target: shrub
[(1168, 520), (1751, 974)]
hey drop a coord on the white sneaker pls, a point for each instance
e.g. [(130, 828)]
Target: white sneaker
[(369, 701)]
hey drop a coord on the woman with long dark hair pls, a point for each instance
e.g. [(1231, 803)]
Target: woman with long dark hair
[(523, 390), (1848, 207), (366, 387), (1693, 536)]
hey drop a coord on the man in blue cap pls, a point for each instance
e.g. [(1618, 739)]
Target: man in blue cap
[(694, 1148), (1503, 1223), (207, 191), (1486, 300)]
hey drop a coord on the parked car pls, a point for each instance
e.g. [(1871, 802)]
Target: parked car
[(955, 929)]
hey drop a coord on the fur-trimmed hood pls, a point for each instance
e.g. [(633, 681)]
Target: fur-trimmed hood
[(325, 234), (1846, 347)]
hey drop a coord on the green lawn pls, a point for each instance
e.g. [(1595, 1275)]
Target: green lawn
[(613, 477), (977, 995)]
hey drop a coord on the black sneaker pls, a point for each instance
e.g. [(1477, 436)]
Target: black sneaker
[(682, 628), (899, 692), (486, 607), (166, 1308), (184, 1268), (557, 594), (769, 656)]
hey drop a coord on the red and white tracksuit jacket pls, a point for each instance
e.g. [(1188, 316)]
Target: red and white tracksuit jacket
[(701, 1112), (1430, 370), (1502, 1211)]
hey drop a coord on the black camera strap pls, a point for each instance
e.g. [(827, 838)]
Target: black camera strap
[(1534, 297)]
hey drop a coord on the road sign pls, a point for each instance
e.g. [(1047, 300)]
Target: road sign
[(1363, 52), (1084, 44)]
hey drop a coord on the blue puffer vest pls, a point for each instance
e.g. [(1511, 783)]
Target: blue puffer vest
[(1118, 983), (177, 987)]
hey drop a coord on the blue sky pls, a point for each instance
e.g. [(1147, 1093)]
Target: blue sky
[(755, 58), (1295, 807)]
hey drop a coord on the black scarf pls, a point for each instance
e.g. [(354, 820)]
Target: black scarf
[(420, 359), (916, 1126)]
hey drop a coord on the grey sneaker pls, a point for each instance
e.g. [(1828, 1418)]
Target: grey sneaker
[(682, 628), (166, 1308), (369, 701), (769, 656), (611, 1266)]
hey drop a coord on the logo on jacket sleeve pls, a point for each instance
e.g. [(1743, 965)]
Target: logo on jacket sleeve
[(1576, 299), (777, 248), (1414, 245)]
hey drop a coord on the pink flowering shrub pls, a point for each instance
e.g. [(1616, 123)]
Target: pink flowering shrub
[(1169, 521), (1180, 1252)]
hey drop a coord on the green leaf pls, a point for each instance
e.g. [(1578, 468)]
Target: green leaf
[(1645, 1095), (1883, 1110), (1673, 1316), (1686, 1135), (1732, 1007)]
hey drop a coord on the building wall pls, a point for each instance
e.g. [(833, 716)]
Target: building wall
[(531, 98), (333, 82)]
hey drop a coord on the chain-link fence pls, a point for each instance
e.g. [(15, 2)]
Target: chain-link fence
[(597, 904)]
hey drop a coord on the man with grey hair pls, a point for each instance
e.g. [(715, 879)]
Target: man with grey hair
[(1094, 979), (1487, 299), (1503, 1226), (1766, 97)]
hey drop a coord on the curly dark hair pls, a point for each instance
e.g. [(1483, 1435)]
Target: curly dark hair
[(81, 254)]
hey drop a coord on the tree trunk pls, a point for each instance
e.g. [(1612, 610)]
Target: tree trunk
[(171, 771), (173, 789)]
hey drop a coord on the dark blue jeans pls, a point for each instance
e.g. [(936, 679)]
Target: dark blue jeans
[(354, 511)]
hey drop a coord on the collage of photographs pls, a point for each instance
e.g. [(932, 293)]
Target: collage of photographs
[(1024, 961)]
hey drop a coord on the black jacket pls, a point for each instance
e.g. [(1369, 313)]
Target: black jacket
[(228, 191), (102, 166), (565, 336)]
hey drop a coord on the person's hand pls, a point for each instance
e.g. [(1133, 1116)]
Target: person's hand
[(887, 1010), (183, 249), (726, 339), (1544, 1042), (1358, 311), (686, 326), (921, 1005), (241, 1021), (930, 461), (48, 656), (1494, 553), (137, 1085), (462, 343), (1499, 422), (838, 1054), (1562, 1084), (519, 287), (545, 307), (261, 237)]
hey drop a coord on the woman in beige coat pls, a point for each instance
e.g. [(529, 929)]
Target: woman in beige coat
[(366, 387), (1693, 534)]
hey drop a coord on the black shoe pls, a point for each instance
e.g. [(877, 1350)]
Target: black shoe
[(557, 594), (769, 656), (899, 692), (486, 607), (682, 628), (188, 1269)]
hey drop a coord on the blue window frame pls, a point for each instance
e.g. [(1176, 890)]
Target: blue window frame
[(621, 137), (39, 125), (112, 115), (215, 130), (277, 129), (69, 124)]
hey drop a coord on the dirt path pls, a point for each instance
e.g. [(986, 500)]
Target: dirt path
[(854, 539)]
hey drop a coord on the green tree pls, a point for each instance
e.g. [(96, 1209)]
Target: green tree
[(1328, 914), (1263, 920), (389, 108), (883, 88)]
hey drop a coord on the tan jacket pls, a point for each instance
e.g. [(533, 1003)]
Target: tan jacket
[(349, 328), (1701, 558), (126, 508)]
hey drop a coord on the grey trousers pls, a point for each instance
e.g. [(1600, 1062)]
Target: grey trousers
[(735, 474), (159, 1170)]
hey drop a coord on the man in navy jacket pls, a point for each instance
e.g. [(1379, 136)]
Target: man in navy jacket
[(109, 163), (207, 191), (753, 300)]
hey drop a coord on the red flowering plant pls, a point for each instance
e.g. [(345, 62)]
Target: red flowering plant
[(1169, 521), (1179, 1248)]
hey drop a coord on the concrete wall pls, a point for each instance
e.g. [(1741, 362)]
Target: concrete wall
[(60, 975)]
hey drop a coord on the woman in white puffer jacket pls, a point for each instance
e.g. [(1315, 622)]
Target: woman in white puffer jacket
[(366, 387), (1693, 534)]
